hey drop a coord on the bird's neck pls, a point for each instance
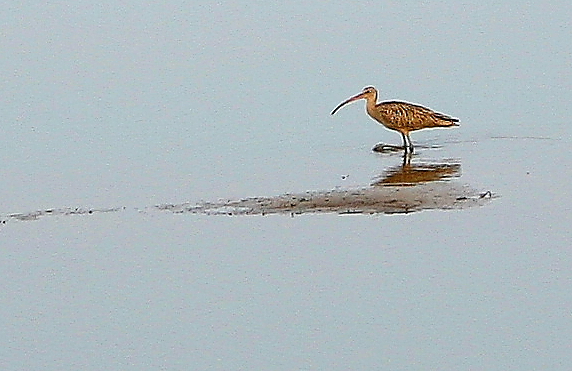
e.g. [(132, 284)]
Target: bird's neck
[(370, 103)]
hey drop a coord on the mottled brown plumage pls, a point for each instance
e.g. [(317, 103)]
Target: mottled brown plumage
[(400, 116)]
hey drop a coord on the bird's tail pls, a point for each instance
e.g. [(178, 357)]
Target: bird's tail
[(445, 120)]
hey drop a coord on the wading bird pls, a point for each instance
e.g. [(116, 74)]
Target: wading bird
[(400, 116)]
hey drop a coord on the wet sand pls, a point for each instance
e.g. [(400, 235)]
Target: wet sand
[(372, 200), (404, 188)]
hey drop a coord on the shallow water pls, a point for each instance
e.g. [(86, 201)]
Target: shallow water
[(129, 130)]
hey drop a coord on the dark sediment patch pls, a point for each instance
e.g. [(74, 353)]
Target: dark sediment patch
[(34, 215), (372, 200)]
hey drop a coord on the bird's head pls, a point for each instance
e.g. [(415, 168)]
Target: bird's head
[(369, 92)]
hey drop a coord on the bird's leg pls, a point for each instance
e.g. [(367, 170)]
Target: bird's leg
[(407, 145), (410, 145), (404, 141)]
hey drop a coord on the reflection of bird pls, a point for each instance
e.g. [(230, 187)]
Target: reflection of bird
[(408, 174), (400, 116)]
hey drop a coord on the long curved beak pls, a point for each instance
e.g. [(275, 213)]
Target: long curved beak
[(349, 100)]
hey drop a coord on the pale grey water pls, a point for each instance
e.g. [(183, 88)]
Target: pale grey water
[(133, 105)]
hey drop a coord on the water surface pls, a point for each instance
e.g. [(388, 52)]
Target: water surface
[(113, 113)]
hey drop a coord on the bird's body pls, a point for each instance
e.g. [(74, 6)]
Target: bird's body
[(400, 116)]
